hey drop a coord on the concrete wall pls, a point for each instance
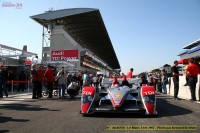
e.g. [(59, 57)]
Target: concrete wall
[(184, 91)]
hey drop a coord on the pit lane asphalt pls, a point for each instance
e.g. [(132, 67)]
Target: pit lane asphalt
[(21, 114)]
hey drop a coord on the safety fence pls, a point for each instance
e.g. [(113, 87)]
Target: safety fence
[(16, 82)]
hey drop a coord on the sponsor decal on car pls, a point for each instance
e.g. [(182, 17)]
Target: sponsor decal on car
[(86, 93), (117, 95)]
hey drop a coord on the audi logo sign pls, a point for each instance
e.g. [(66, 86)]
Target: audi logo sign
[(64, 55)]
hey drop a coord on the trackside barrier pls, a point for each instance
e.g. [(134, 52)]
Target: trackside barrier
[(184, 91), (15, 81)]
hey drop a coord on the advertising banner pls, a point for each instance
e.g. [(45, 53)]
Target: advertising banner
[(27, 62), (64, 55)]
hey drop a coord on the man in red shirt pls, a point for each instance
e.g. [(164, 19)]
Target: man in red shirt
[(115, 81), (49, 80), (192, 72), (34, 81), (130, 74), (39, 81)]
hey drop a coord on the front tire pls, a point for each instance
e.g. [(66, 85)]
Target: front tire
[(45, 93), (55, 93)]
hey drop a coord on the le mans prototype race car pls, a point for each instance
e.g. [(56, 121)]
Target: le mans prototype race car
[(119, 99)]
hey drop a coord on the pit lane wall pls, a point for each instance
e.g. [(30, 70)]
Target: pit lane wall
[(184, 91)]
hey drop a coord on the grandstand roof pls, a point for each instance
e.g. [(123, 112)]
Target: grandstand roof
[(86, 26)]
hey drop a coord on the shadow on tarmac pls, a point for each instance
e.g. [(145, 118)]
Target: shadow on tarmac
[(8, 119), (167, 106), (4, 131), (66, 98), (164, 109), (23, 107)]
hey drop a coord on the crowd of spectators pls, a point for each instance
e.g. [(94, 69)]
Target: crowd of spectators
[(62, 79)]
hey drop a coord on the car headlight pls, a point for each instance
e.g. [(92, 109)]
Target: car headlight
[(149, 99), (146, 99), (90, 98)]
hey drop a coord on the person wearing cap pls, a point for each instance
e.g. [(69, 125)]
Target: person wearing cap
[(3, 80), (192, 72), (49, 80), (34, 77)]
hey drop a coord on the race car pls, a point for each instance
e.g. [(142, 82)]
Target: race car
[(119, 99)]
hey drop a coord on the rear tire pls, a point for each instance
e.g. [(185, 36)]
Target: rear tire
[(80, 112)]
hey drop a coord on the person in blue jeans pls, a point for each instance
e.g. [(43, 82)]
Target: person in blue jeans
[(62, 81), (164, 82)]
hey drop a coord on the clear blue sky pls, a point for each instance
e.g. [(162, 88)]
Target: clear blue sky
[(145, 34)]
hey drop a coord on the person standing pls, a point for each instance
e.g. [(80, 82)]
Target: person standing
[(69, 79), (130, 73), (10, 78), (62, 81), (90, 79), (186, 77), (3, 80), (164, 82), (176, 75), (34, 77), (150, 80), (80, 80), (115, 81), (39, 81), (49, 80), (123, 75), (155, 80), (85, 79), (95, 81), (192, 72), (159, 84), (199, 80)]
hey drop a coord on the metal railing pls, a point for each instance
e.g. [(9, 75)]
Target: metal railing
[(16, 81)]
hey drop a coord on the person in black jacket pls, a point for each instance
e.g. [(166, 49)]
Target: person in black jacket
[(176, 75), (3, 80), (10, 78)]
